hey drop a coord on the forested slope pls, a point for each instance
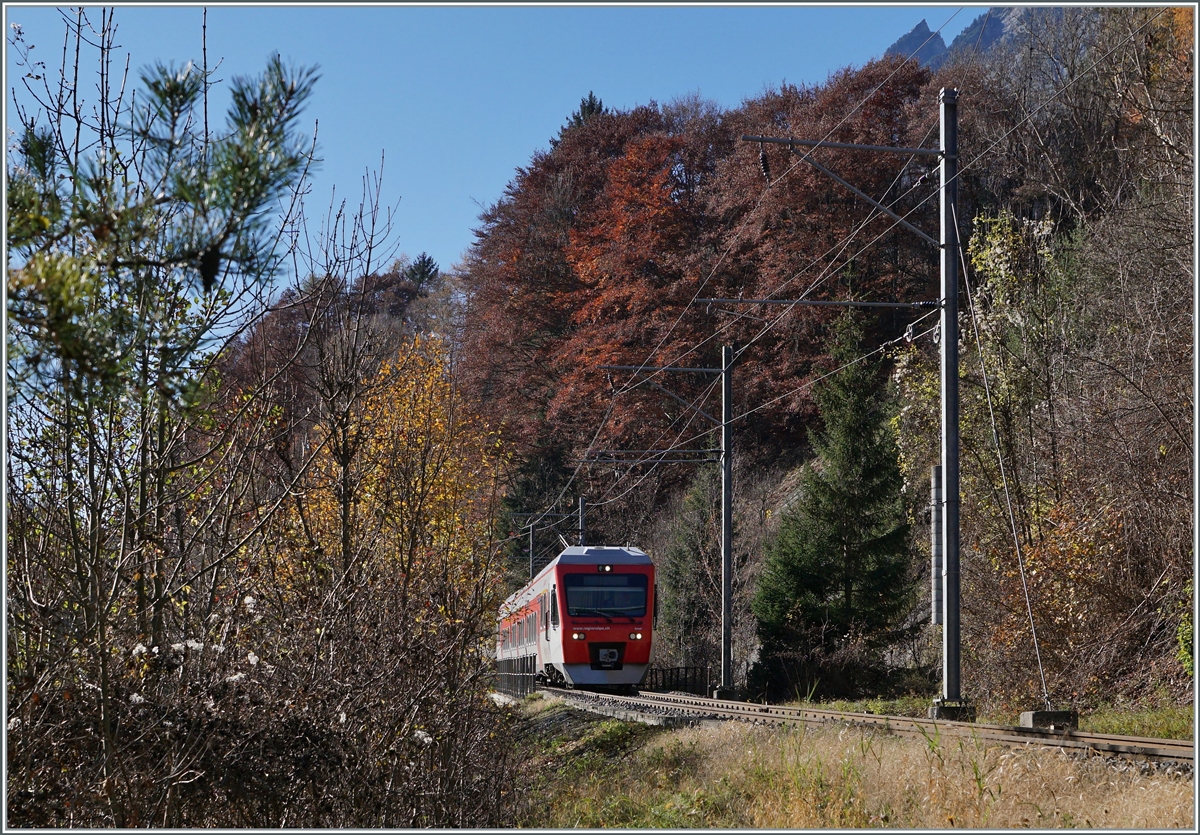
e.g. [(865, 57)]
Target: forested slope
[(1076, 206), (245, 521)]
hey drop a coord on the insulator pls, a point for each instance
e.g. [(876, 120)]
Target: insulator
[(762, 163)]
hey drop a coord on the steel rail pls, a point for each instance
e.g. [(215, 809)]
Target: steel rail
[(1148, 748)]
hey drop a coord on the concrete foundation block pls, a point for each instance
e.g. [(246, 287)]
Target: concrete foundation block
[(1055, 720), (952, 712), (718, 693)]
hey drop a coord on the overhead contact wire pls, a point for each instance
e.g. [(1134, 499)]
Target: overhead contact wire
[(962, 168), (630, 384), (968, 165)]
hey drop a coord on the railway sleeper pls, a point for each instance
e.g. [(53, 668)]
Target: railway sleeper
[(1162, 756)]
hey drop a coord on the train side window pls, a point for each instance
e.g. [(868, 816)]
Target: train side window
[(554, 605)]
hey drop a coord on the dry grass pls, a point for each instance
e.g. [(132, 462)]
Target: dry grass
[(735, 775), (846, 777)]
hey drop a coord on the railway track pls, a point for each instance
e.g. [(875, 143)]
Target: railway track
[(1167, 751)]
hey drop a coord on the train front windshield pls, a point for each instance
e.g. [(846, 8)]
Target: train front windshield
[(606, 595)]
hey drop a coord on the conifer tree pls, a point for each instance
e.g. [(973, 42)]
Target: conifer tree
[(838, 570), (423, 272), (589, 106)]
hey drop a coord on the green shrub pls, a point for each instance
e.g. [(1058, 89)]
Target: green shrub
[(1185, 635)]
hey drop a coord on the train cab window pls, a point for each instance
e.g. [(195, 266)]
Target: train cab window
[(554, 605), (606, 595)]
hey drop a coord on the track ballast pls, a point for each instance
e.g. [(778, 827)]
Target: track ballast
[(1171, 753)]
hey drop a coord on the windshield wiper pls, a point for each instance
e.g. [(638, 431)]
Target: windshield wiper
[(586, 612)]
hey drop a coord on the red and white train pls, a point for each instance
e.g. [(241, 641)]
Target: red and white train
[(585, 621)]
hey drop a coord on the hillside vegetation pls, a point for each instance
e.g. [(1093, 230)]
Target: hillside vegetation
[(1075, 331), (740, 776), (249, 564), (258, 528)]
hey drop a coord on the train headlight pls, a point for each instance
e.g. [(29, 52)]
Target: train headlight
[(635, 636), (578, 636)]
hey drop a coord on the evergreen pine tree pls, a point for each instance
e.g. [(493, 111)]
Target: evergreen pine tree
[(423, 272), (838, 569), (589, 106)]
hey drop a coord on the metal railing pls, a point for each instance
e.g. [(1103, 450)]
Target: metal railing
[(515, 676), (683, 679)]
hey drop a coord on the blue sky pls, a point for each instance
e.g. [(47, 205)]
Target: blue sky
[(455, 98)]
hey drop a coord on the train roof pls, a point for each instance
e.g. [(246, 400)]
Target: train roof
[(583, 555), (591, 554)]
